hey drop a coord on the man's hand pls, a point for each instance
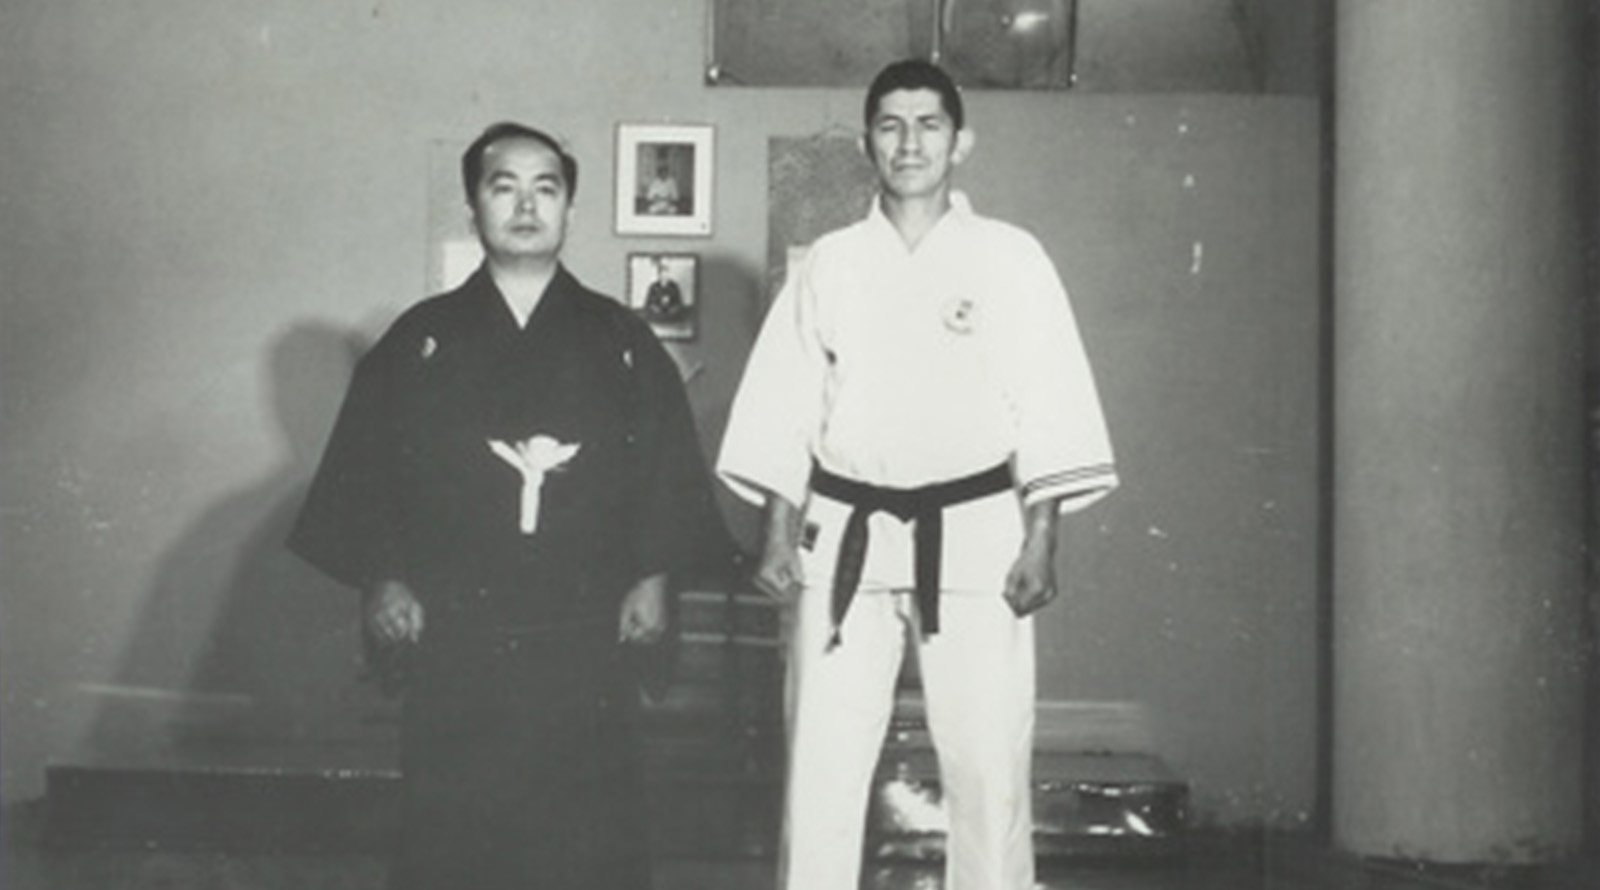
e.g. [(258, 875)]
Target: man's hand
[(393, 613), (778, 574), (1031, 583), (644, 611)]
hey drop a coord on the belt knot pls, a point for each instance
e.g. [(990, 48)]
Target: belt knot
[(923, 505)]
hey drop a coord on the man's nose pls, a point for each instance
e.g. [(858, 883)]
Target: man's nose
[(525, 202)]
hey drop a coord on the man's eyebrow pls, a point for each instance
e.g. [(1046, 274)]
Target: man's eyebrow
[(889, 116), (495, 176)]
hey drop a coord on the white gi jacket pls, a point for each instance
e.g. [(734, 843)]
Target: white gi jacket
[(902, 368)]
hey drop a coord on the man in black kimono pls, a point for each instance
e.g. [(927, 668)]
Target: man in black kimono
[(513, 476)]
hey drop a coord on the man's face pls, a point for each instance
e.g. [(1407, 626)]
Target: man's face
[(522, 206), (914, 144)]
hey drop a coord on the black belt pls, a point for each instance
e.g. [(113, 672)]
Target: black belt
[(924, 504)]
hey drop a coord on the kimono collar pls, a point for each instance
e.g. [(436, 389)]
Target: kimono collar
[(481, 285)]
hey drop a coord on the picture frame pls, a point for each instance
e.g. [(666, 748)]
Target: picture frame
[(664, 291), (664, 179)]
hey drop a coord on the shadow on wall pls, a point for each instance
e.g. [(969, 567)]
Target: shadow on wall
[(243, 654), (733, 306)]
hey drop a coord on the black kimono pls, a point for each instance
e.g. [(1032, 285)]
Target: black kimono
[(519, 747)]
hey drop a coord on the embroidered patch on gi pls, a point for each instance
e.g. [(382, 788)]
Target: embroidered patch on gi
[(429, 347), (961, 314)]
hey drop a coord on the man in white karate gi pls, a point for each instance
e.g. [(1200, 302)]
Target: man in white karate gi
[(917, 412)]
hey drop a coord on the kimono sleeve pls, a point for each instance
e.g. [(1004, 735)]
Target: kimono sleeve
[(348, 527), (679, 528)]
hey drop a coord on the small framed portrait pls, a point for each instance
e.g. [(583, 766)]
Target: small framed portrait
[(663, 289), (664, 179)]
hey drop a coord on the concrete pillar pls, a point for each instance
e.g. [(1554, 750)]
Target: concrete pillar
[(1461, 495)]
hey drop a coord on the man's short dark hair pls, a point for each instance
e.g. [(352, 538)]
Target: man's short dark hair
[(915, 74), (472, 158)]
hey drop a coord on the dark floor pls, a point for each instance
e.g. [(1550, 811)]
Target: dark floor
[(148, 871), (158, 871), (1291, 864)]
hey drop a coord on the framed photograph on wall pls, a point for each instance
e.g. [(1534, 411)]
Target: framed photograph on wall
[(663, 289), (664, 179)]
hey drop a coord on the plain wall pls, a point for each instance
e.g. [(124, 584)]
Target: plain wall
[(206, 209)]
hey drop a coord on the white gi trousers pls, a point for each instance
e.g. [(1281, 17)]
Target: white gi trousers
[(978, 685)]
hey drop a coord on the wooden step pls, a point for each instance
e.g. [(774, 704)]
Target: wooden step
[(1105, 805)]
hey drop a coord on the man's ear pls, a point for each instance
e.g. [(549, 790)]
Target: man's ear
[(864, 145), (966, 140)]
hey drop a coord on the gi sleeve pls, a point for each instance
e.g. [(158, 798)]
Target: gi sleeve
[(679, 528), (348, 526), (777, 412), (1063, 447)]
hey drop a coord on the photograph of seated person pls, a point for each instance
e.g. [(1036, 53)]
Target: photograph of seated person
[(661, 194), (663, 301)]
